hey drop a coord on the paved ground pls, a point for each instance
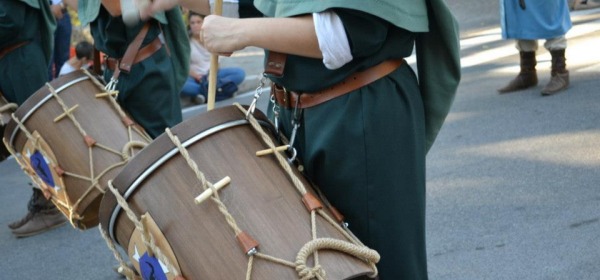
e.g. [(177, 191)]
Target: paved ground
[(513, 180)]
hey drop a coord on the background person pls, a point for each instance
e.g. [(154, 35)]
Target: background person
[(196, 84), (527, 22), (84, 52), (62, 37)]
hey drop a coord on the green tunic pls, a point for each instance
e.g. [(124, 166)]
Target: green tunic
[(150, 92), (366, 149), (24, 70)]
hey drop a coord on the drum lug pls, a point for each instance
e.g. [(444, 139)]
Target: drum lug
[(247, 243)]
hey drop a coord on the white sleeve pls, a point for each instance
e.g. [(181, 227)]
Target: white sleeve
[(333, 41)]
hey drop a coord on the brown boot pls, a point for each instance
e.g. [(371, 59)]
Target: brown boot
[(21, 222), (37, 202), (526, 78), (39, 222), (560, 74)]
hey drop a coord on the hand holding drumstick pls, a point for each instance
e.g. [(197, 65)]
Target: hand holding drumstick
[(224, 35)]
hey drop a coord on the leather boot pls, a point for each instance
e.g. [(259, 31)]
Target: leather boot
[(526, 78), (37, 202), (560, 74), (40, 221), (21, 222), (39, 209)]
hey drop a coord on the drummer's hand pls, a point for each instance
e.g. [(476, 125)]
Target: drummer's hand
[(157, 6), (220, 35), (57, 11)]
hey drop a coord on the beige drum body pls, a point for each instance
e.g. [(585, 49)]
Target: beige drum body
[(160, 185), (71, 137)]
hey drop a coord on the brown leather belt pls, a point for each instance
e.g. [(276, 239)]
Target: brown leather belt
[(289, 99), (11, 48), (142, 54)]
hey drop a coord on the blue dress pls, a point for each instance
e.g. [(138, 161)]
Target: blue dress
[(541, 19)]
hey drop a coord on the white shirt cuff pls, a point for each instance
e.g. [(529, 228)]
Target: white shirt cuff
[(333, 41)]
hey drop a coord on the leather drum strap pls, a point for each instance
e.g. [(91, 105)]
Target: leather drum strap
[(275, 64), (131, 52), (11, 48)]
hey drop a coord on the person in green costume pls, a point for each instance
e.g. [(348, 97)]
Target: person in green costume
[(26, 38), (149, 91), (366, 148)]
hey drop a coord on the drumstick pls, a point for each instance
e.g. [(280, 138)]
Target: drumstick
[(214, 67), (207, 193)]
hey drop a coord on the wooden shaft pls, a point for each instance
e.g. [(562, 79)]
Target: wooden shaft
[(214, 67)]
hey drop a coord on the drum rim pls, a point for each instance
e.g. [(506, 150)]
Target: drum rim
[(38, 99), (139, 179)]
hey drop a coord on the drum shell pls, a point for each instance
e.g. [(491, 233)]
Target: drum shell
[(99, 119), (260, 197)]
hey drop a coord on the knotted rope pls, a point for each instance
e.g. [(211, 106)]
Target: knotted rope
[(10, 107), (123, 268), (204, 183)]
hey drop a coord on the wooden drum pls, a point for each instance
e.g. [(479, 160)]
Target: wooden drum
[(72, 138), (255, 227), (6, 109)]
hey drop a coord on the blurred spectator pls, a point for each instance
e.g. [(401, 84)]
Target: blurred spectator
[(196, 84), (62, 37), (528, 21), (84, 52)]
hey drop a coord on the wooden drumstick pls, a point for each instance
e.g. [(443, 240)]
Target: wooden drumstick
[(270, 151), (214, 67), (207, 193)]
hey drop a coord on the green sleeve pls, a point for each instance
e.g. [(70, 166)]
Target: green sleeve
[(438, 62), (178, 42)]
